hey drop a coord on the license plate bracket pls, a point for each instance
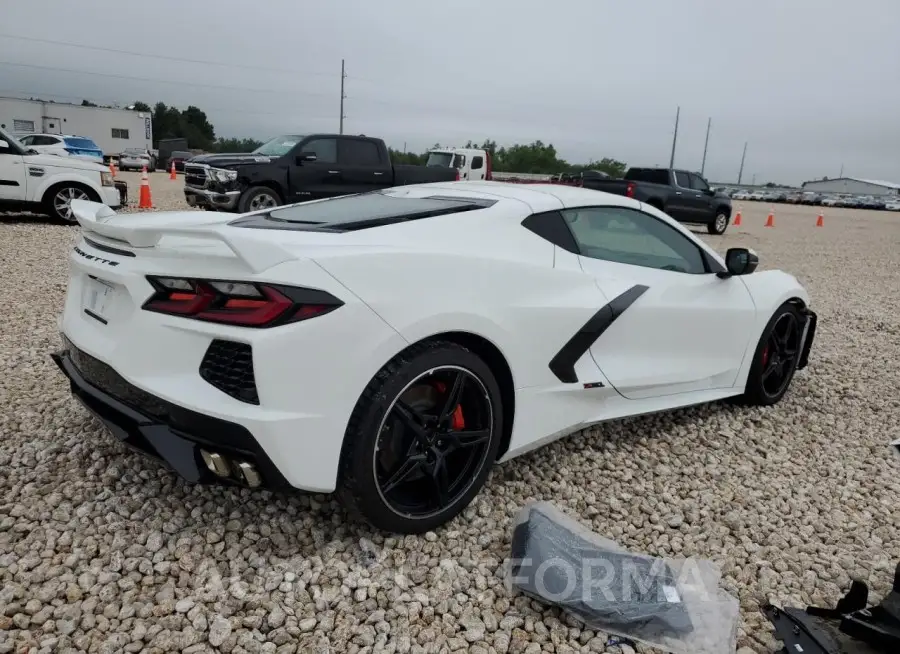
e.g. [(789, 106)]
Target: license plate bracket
[(97, 298)]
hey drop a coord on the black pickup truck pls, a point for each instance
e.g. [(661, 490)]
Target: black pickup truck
[(296, 168), (683, 195)]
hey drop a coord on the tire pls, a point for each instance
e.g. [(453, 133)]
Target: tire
[(719, 224), (378, 432), (257, 198), (58, 198), (759, 390)]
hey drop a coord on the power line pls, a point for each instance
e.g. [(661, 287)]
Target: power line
[(159, 81), (114, 104), (164, 57)]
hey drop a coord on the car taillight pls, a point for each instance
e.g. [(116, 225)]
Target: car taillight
[(629, 190), (244, 304), (457, 174)]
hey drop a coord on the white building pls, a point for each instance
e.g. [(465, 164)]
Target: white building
[(852, 186), (113, 130)]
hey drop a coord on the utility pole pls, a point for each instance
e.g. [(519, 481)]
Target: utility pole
[(743, 156), (343, 96), (842, 172), (674, 139), (705, 146)]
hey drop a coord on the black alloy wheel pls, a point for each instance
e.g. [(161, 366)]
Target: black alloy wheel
[(422, 438), (432, 440), (776, 357), (781, 354)]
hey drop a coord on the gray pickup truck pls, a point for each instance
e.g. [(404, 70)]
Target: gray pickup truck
[(683, 195)]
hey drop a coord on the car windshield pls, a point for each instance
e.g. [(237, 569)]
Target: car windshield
[(439, 160), (279, 146)]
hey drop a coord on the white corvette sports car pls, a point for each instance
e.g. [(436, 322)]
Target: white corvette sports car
[(394, 344)]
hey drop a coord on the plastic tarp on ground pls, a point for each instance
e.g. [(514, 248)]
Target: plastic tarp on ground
[(673, 604)]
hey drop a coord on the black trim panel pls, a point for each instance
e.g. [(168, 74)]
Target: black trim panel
[(810, 335), (8, 182), (551, 226), (158, 428), (107, 248), (563, 363)]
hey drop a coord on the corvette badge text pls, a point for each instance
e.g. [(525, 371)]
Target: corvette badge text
[(91, 257)]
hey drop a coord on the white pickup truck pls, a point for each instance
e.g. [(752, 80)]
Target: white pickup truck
[(47, 183)]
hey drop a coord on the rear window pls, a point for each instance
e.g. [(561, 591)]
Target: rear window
[(651, 175), (352, 212), (84, 144)]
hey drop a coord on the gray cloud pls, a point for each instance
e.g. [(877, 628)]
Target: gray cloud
[(811, 84)]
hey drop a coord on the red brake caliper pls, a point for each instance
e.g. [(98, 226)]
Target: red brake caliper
[(458, 423)]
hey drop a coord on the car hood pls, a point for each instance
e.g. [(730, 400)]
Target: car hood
[(228, 159), (59, 161)]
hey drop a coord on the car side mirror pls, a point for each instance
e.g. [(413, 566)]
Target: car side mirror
[(740, 261), (306, 156)]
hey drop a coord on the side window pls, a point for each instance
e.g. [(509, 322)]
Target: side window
[(698, 183), (477, 162), (632, 237), (459, 161), (357, 152), (325, 149), (44, 140), (26, 140), (682, 179)]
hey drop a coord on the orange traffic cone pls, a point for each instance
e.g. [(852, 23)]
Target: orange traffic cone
[(146, 202), (770, 221), (820, 221), (172, 174), (737, 218), (112, 168)]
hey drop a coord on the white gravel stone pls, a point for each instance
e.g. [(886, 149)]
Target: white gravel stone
[(104, 550)]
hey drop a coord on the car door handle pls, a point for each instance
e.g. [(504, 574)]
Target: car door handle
[(677, 192), (377, 174), (333, 172)]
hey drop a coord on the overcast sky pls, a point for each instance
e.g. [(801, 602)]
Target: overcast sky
[(811, 84)]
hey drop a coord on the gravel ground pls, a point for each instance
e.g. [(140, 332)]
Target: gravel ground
[(102, 550)]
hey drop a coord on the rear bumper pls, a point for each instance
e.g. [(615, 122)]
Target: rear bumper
[(225, 201), (162, 430)]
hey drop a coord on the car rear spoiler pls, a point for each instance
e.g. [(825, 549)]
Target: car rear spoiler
[(145, 230)]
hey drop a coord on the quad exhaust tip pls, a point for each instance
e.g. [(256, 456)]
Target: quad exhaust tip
[(248, 474), (217, 463), (244, 471)]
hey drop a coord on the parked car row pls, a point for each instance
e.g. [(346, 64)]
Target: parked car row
[(816, 199)]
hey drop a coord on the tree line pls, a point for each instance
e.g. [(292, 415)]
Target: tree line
[(536, 157)]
